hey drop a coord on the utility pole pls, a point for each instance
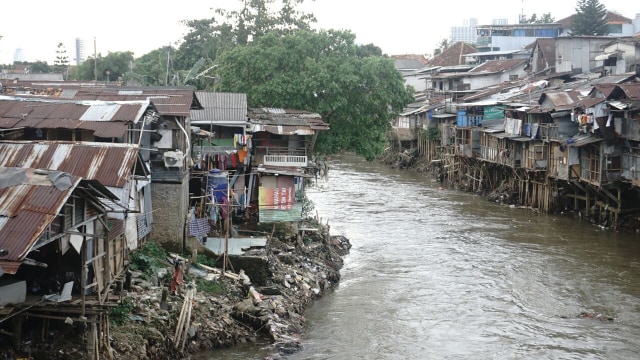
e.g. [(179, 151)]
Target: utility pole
[(95, 61)]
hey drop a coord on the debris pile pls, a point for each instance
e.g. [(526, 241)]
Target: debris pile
[(216, 310)]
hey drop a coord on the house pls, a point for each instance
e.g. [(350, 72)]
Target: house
[(617, 25), (45, 120), (282, 145), (221, 157), (577, 54), (505, 37), (56, 246), (118, 167), (542, 59), (408, 66), (493, 72), (160, 126), (450, 61), (620, 56)]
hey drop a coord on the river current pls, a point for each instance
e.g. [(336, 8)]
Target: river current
[(441, 274)]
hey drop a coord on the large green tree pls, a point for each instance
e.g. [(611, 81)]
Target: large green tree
[(208, 38), (154, 68), (321, 72), (111, 67), (590, 18)]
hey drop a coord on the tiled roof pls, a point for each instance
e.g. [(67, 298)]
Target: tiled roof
[(493, 66), (453, 55)]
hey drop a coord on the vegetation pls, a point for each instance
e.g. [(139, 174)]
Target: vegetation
[(590, 18), (119, 314), (321, 72), (111, 67), (432, 134), (148, 258), (544, 19), (307, 205), (209, 287), (61, 64), (267, 49)]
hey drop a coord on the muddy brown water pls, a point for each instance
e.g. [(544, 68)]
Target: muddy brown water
[(441, 274)]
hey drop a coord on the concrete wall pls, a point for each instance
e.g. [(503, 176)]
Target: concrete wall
[(170, 209)]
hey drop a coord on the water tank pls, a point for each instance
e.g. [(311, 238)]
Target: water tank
[(217, 185)]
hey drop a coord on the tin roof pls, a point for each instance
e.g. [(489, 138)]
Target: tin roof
[(30, 199), (222, 109), (493, 66), (105, 119), (109, 163), (631, 90), (170, 101), (285, 122)]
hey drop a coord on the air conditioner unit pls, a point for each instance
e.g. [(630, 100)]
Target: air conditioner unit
[(173, 158)]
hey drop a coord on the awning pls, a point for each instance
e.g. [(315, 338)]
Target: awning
[(604, 56)]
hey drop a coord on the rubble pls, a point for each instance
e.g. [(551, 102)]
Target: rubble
[(215, 310)]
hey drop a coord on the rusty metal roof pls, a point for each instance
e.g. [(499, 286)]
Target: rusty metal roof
[(631, 90), (29, 202), (170, 101), (560, 100), (105, 119), (284, 121), (109, 163)]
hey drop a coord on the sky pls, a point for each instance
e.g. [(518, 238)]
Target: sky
[(397, 27)]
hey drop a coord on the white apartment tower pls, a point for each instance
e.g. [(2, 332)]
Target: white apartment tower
[(466, 32), (83, 49)]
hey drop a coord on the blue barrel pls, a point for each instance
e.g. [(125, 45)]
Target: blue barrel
[(217, 185)]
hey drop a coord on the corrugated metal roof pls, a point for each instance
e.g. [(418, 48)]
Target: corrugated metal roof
[(220, 109), (113, 118), (170, 101), (631, 90), (29, 208), (110, 164), (561, 100), (281, 121), (582, 140)]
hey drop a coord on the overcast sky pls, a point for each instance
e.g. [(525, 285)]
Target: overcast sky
[(398, 26)]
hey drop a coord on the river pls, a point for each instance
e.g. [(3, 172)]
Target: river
[(442, 274)]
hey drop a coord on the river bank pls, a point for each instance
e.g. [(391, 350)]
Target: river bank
[(500, 193), (210, 310)]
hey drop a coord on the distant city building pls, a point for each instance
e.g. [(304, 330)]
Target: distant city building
[(83, 49), (465, 33), (18, 55)]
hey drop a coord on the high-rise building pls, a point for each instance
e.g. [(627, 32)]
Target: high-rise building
[(18, 55), (466, 32), (83, 49)]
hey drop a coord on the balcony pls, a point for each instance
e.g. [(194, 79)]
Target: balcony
[(285, 160)]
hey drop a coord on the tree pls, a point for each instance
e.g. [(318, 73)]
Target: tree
[(321, 72), (61, 63), (39, 67), (208, 38), (152, 68), (545, 19), (112, 67), (590, 18)]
